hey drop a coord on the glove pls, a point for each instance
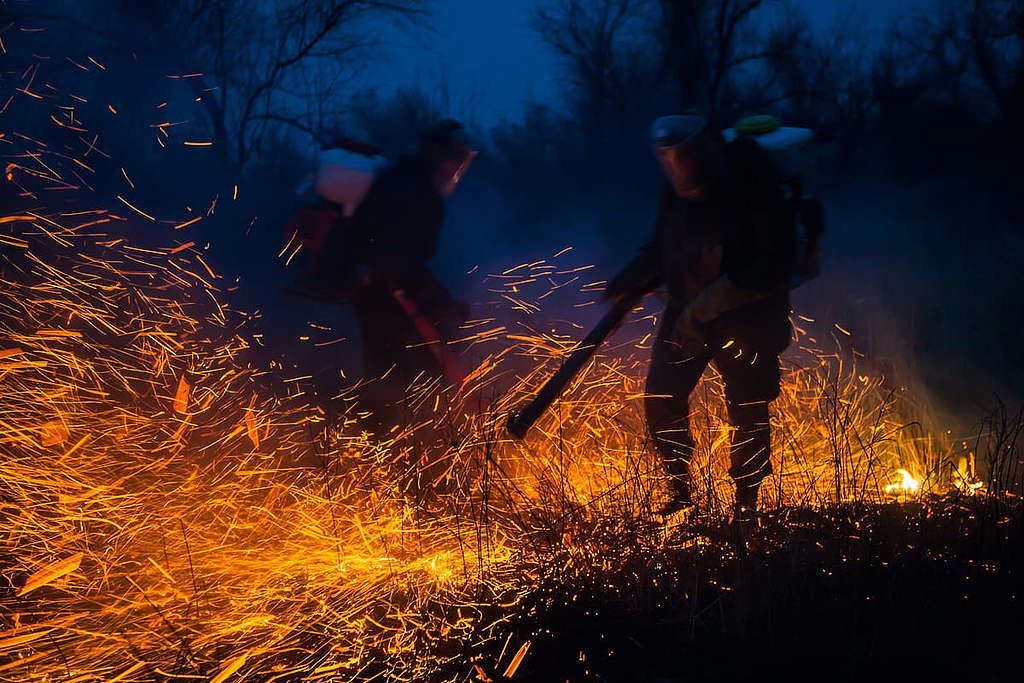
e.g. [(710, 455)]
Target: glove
[(689, 332)]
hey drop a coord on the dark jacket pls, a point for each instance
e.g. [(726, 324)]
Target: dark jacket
[(393, 234), (747, 233)]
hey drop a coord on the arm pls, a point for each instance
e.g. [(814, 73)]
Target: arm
[(765, 269), (721, 296), (639, 277), (761, 250)]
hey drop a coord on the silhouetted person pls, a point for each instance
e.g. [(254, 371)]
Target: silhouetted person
[(725, 248), (377, 258)]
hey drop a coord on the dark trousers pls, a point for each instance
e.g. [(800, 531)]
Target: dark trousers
[(396, 365), (394, 355), (747, 357)]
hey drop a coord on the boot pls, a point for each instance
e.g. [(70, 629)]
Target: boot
[(745, 510), (679, 495), (744, 519)]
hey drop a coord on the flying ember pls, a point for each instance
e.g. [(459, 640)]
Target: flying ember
[(187, 494)]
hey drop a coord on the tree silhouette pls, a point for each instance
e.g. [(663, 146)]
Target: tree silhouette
[(252, 66)]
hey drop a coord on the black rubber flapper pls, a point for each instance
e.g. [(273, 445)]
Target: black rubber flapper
[(519, 422)]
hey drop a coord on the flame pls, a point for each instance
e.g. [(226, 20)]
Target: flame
[(965, 478), (908, 484)]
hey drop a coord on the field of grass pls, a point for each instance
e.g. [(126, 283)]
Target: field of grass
[(179, 504), (174, 511)]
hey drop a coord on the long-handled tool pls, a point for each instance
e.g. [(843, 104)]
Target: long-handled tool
[(449, 362), (519, 422)]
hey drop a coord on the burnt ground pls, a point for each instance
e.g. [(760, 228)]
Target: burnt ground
[(869, 592)]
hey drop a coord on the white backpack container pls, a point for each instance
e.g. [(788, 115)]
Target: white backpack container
[(791, 152), (346, 173), (789, 146)]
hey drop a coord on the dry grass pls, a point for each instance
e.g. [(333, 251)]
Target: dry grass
[(224, 527), (174, 510)]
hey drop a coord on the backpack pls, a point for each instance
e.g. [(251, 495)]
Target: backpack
[(789, 149), (331, 196)]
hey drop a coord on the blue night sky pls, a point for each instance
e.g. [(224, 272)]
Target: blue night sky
[(495, 64)]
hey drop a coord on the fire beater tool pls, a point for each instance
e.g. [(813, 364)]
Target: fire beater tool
[(519, 422)]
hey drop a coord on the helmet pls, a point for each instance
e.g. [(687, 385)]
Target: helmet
[(449, 152), (688, 152)]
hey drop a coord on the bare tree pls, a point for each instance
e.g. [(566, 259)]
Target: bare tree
[(715, 55), (601, 46), (971, 52), (995, 32), (719, 56), (253, 66), (824, 81), (393, 122)]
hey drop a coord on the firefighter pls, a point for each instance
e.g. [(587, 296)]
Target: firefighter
[(377, 260), (724, 246)]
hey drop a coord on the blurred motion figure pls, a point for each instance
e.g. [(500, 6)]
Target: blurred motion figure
[(727, 246), (383, 226)]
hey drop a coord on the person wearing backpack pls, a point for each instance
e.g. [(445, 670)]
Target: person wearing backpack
[(727, 248), (385, 224)]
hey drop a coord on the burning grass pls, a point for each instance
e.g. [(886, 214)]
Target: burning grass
[(172, 510)]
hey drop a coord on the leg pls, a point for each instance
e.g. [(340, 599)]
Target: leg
[(674, 372), (751, 384), (397, 367), (384, 334)]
